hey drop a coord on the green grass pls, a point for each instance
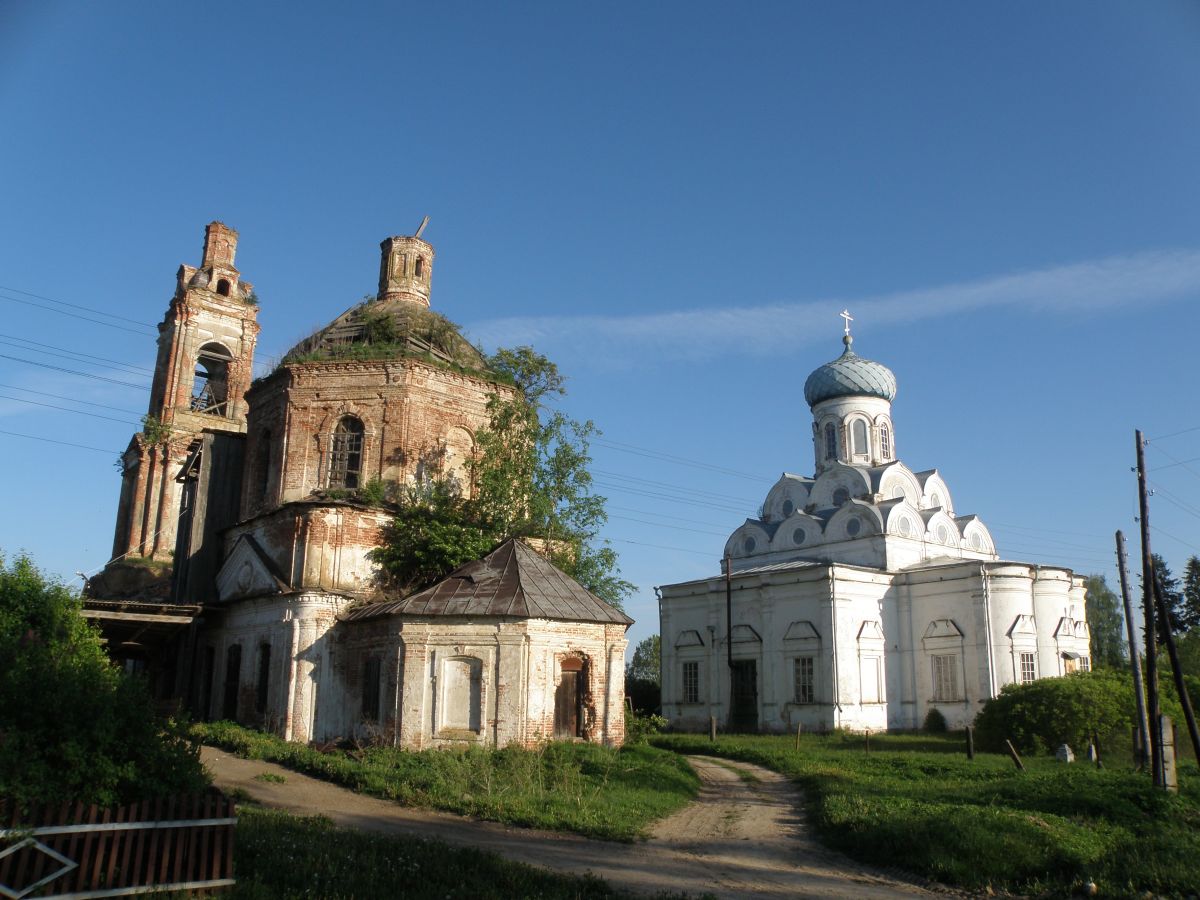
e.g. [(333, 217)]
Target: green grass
[(585, 788), (280, 855), (915, 802)]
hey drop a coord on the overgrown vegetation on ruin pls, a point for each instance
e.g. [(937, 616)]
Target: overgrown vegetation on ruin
[(530, 478), (917, 803), (585, 788)]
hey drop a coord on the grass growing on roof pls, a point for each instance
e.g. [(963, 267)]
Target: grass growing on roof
[(917, 803), (281, 855), (585, 788)]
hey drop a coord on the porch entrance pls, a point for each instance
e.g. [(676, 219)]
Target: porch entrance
[(567, 697), (743, 714)]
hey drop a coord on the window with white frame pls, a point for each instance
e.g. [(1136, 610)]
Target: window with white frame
[(691, 682), (885, 442), (1028, 668), (804, 674), (1085, 664), (945, 678), (859, 432)]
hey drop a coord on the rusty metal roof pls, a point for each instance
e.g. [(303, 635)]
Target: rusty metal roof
[(512, 581)]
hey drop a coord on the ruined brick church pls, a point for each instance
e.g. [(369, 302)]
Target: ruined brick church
[(242, 581)]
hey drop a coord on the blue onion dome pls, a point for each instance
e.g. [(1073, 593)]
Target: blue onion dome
[(850, 376)]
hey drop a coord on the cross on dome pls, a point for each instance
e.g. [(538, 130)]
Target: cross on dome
[(845, 314)]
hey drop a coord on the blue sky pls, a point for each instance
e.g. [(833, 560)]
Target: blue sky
[(673, 201)]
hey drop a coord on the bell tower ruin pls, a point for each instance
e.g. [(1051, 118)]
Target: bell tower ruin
[(204, 367)]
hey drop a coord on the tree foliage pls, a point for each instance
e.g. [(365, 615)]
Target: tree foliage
[(1105, 619), (1191, 594), (530, 478), (1042, 714), (72, 725), (1172, 598), (646, 662)]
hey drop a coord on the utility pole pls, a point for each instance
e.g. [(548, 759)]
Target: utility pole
[(1185, 701), (1135, 658), (1156, 756)]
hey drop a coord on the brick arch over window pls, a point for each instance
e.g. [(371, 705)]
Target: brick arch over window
[(346, 454)]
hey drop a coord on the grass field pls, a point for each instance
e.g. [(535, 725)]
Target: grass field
[(282, 856), (585, 788), (915, 802)]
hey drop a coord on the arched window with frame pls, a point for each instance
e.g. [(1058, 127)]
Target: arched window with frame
[(885, 441), (420, 269), (830, 441), (210, 386), (346, 454), (858, 432)]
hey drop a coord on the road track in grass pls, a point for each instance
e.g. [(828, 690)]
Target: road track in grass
[(740, 838)]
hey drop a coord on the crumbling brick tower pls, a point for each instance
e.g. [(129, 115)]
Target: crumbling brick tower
[(205, 360)]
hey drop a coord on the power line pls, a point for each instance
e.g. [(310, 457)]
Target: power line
[(1176, 461), (76, 357), (660, 547), (63, 312), (13, 387), (78, 412), (105, 359), (1163, 437), (658, 454), (663, 484), (1174, 538), (34, 437), (140, 387), (672, 527), (75, 306)]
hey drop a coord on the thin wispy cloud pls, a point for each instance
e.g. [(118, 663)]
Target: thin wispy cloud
[(1085, 287)]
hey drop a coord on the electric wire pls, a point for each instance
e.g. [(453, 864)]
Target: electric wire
[(74, 306), (78, 412), (670, 457), (13, 387), (63, 312), (140, 387), (35, 437), (39, 344), (77, 357)]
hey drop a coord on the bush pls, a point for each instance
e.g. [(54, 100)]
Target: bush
[(935, 722), (1041, 715), (639, 727), (644, 694), (72, 725)]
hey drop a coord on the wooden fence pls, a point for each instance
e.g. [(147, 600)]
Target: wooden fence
[(71, 852)]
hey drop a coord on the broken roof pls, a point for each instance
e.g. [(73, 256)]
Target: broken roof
[(512, 581)]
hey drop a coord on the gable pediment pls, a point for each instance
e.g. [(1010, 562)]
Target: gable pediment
[(1025, 626), (802, 631), (248, 572), (744, 634), (689, 638), (870, 630), (943, 628)]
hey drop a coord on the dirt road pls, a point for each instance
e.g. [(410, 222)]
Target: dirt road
[(743, 837)]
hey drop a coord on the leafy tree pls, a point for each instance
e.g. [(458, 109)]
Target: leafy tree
[(72, 725), (1105, 619), (530, 478), (1042, 714), (643, 682), (646, 662), (1191, 594)]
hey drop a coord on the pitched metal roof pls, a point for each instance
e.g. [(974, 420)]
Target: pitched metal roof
[(512, 581)]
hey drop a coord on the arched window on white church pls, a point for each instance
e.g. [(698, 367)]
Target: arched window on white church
[(885, 442), (830, 441), (859, 432)]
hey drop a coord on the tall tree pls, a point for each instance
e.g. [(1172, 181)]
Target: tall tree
[(646, 662), (1105, 619), (1172, 598), (1191, 594)]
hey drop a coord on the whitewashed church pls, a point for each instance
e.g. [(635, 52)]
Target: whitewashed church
[(861, 599)]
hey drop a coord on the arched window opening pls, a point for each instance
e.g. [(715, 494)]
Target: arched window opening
[(859, 432), (841, 496), (223, 287), (830, 441), (210, 387), (262, 467), (885, 442), (345, 454), (420, 267)]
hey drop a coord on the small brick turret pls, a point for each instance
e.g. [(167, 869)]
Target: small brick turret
[(405, 269)]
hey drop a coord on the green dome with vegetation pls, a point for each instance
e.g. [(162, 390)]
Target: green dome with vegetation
[(379, 329)]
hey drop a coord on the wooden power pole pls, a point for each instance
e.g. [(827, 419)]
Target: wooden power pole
[(1153, 709), (1135, 658)]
